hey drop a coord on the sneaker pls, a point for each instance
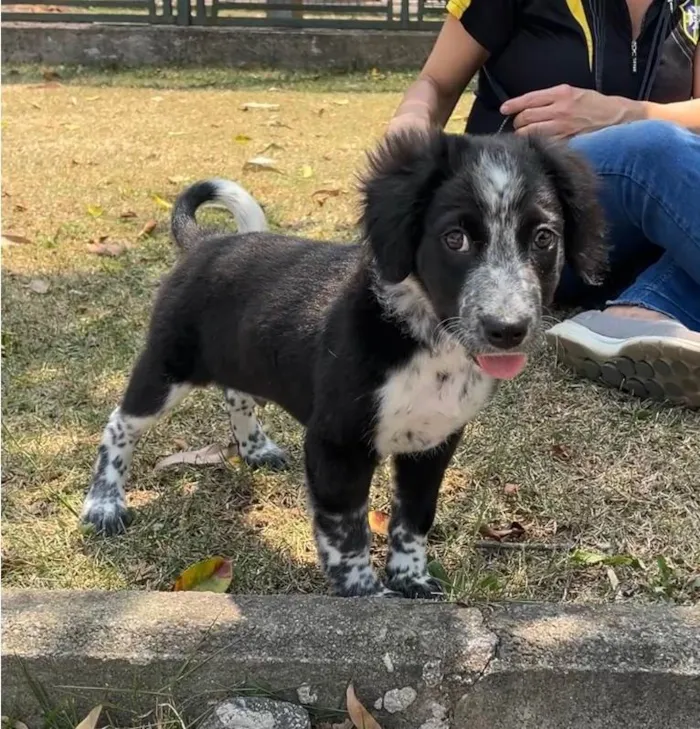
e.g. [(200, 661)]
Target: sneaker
[(659, 360)]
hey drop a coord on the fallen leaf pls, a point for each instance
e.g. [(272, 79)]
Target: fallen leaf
[(161, 203), (211, 454), (584, 556), (361, 718), (157, 98), (181, 443), (320, 196), (510, 489), (612, 578), (340, 102), (210, 575), (271, 147), (379, 523), (50, 74), (148, 228), (242, 138), (35, 105), (71, 127), (307, 171), (127, 214), (176, 134), (254, 105), (436, 570), (73, 101), (514, 530), (111, 250), (15, 239), (262, 163), (19, 208), (561, 451), (39, 286), (92, 98), (95, 210), (178, 180), (90, 721)]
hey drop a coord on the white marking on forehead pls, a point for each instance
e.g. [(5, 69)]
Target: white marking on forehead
[(499, 181)]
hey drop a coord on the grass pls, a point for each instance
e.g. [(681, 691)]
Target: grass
[(585, 466)]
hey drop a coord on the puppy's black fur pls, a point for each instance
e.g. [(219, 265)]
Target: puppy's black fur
[(373, 347)]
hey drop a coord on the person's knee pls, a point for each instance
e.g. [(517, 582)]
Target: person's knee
[(620, 146)]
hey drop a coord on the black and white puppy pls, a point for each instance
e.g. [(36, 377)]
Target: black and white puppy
[(380, 349)]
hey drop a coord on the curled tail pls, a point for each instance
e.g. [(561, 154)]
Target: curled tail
[(243, 206)]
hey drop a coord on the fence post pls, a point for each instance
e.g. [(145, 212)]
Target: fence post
[(405, 13), (184, 12)]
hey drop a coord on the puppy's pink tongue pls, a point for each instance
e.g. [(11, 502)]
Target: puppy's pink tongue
[(502, 366)]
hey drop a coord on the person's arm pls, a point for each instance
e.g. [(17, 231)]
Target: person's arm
[(685, 113), (453, 62), (473, 30), (565, 111)]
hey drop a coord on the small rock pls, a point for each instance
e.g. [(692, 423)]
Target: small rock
[(439, 718), (399, 699), (378, 704), (388, 663), (432, 673), (255, 712), (306, 695)]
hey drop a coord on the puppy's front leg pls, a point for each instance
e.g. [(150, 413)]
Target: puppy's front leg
[(338, 479), (418, 478)]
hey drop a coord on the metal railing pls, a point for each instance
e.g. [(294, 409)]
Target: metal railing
[(358, 14)]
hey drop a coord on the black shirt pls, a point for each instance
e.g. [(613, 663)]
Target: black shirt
[(536, 44)]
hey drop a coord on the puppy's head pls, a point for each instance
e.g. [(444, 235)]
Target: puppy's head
[(480, 227)]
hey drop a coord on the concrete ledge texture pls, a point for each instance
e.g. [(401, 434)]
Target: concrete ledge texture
[(429, 666), (124, 46)]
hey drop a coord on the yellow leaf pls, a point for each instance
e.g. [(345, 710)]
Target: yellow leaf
[(158, 200), (95, 210), (379, 523), (242, 138), (90, 721), (360, 717), (307, 171), (211, 575)]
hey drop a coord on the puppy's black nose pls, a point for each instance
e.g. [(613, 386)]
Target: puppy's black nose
[(504, 334)]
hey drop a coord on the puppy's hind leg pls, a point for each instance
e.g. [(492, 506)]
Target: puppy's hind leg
[(148, 397), (254, 447)]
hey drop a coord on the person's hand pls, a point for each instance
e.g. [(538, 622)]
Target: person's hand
[(408, 122), (565, 111)]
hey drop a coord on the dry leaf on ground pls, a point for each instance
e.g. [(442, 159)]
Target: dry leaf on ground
[(127, 214), (39, 286), (211, 454), (211, 575), (95, 210), (321, 195), (262, 163), (307, 171), (90, 721), (148, 228), (378, 523), (102, 248), (14, 239), (254, 105), (242, 138), (361, 718), (515, 530), (161, 203)]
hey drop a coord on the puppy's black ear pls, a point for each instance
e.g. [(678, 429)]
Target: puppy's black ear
[(585, 242), (403, 173)]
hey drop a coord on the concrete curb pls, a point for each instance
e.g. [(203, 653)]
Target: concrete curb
[(432, 666), (124, 46)]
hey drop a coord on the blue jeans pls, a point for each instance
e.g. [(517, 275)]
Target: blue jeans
[(650, 191)]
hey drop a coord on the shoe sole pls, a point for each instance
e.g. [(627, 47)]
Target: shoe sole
[(655, 368)]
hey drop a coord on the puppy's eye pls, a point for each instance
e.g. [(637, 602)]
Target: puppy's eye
[(456, 240), (544, 238)]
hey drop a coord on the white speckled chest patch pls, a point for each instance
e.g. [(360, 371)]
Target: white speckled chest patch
[(428, 399)]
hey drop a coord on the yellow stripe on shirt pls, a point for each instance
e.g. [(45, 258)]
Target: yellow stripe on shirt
[(457, 7), (579, 14)]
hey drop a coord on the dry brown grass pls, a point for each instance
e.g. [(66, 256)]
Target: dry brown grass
[(593, 468)]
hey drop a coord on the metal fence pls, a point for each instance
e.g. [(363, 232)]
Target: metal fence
[(358, 14)]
